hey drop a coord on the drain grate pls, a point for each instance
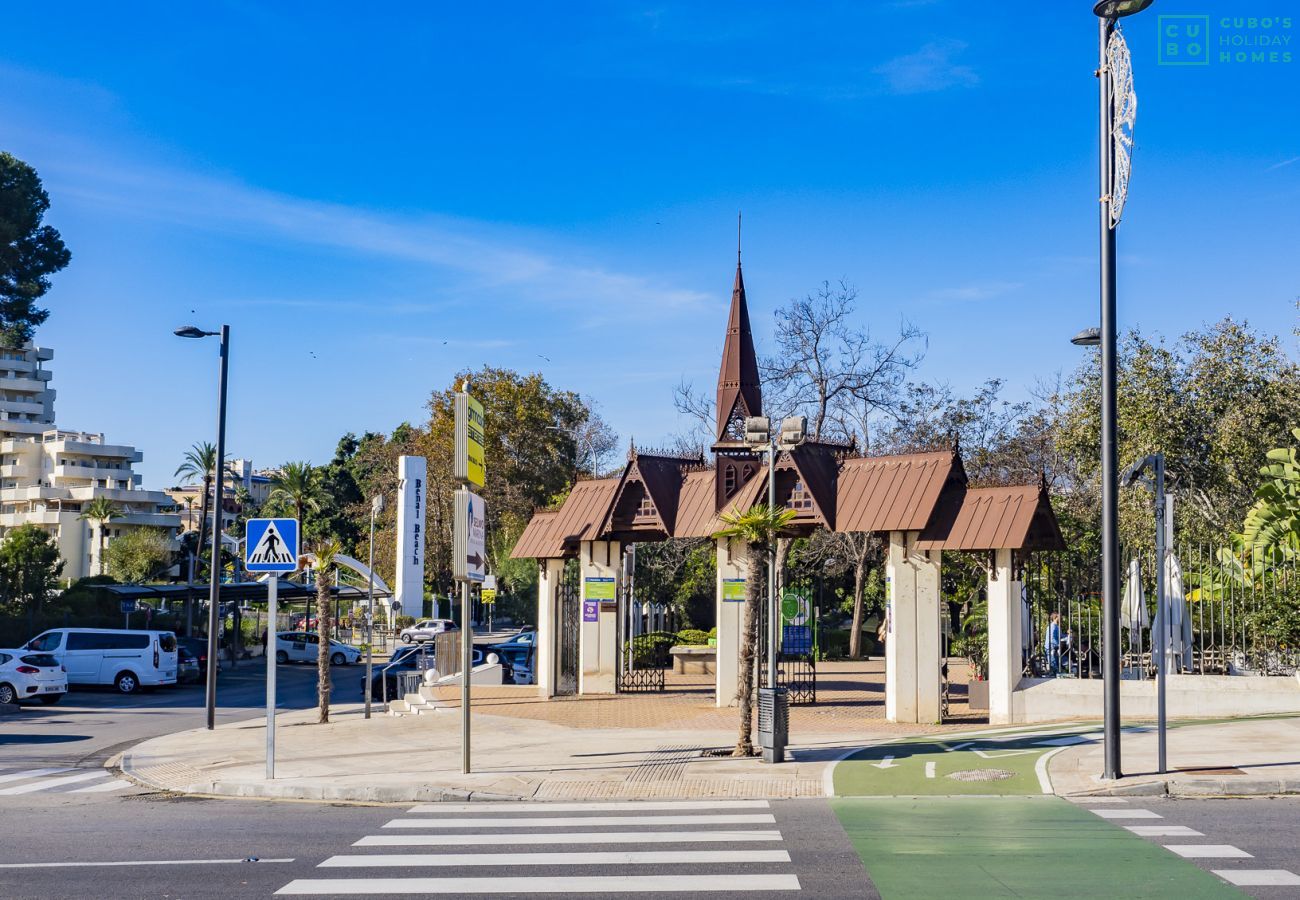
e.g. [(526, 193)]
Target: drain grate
[(981, 775), (664, 764)]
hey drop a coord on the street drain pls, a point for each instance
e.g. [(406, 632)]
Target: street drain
[(981, 775)]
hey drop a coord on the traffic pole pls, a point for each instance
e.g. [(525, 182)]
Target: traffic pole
[(272, 598), (467, 664)]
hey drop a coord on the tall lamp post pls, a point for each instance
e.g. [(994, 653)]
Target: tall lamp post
[(1117, 110), (376, 507), (214, 592)]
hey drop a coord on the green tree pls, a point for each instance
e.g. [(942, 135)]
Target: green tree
[(29, 567), (1271, 534), (140, 555), (29, 251), (757, 528), (325, 554), (200, 463), (100, 510), (340, 496), (297, 485)]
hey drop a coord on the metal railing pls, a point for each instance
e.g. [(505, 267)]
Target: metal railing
[(1224, 625)]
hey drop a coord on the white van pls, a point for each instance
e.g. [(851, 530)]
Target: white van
[(128, 660)]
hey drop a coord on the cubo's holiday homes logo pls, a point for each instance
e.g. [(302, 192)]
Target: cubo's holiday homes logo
[(1200, 40)]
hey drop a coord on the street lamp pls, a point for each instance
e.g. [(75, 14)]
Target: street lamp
[(214, 593), (376, 507), (1117, 111), (1089, 337), (1150, 471)]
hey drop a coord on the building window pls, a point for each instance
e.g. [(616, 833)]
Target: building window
[(646, 509), (729, 481), (800, 499)]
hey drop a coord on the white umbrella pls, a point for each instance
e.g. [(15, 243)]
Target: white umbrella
[(1180, 624), (1133, 615)]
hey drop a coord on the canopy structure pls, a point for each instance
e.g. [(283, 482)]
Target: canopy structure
[(921, 502)]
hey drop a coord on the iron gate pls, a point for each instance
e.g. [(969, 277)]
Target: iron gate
[(569, 621), (643, 657), (796, 663)]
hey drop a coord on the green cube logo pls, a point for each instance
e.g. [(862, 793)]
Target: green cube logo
[(1184, 41)]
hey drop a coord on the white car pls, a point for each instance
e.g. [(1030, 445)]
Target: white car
[(303, 646), (128, 660), (27, 675), (425, 629)]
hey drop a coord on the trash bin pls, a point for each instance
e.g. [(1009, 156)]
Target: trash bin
[(773, 722)]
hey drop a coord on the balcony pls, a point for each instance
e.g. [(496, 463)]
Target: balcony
[(17, 404), (77, 470)]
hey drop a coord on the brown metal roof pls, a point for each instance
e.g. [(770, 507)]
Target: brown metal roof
[(894, 493), (579, 519), (817, 466), (537, 541), (697, 516), (999, 518)]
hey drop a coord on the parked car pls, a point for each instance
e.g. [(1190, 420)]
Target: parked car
[(425, 629), (516, 656), (31, 676), (303, 646), (406, 659), (188, 669), (197, 647), (128, 660)]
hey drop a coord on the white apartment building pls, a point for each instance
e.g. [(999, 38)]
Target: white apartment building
[(47, 474)]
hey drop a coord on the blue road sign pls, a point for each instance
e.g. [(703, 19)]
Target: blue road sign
[(271, 545), (128, 606)]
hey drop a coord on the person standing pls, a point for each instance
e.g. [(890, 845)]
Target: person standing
[(1052, 644)]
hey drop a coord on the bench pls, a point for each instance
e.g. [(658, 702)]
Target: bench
[(694, 660)]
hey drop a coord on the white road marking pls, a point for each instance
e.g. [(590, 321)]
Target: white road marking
[(948, 749), (887, 763), (1258, 877), (566, 884), (32, 773), (987, 753), (1068, 741), (115, 785), (566, 837), (1040, 769), (610, 858), (613, 806), (929, 769), (1164, 831), (135, 862), (566, 821), (1208, 851), (1126, 814), (1082, 800), (54, 782)]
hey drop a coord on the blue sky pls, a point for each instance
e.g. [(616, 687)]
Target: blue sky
[(376, 198)]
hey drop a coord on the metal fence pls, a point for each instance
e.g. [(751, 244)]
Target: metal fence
[(1219, 625)]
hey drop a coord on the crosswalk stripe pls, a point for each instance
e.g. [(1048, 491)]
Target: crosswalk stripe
[(525, 806), (1208, 851), (1258, 877), (1163, 831), (564, 821), (596, 858), (31, 773), (54, 782), (562, 837), (566, 884), (115, 785), (1126, 814)]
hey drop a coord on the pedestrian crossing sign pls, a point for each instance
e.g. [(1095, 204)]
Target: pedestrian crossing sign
[(271, 545)]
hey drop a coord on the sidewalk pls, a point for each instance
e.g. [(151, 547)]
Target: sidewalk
[(1234, 758), (418, 758)]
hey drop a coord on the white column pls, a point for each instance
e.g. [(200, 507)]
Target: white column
[(409, 589), (912, 645), (549, 573), (1005, 652), (732, 572), (598, 640)]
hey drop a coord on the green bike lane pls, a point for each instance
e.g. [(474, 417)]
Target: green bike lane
[(972, 816)]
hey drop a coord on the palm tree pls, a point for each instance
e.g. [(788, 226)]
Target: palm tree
[(297, 483), (100, 510), (200, 462), (325, 554), (758, 528)]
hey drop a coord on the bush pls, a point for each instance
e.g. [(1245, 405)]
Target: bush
[(651, 650), (693, 637), (713, 632), (403, 622), (975, 647)]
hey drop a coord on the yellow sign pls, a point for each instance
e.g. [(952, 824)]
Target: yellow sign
[(488, 595), (470, 456)]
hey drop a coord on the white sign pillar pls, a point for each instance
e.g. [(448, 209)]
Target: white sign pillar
[(412, 478), (732, 572), (912, 645), (1005, 651)]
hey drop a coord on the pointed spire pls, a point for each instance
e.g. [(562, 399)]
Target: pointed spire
[(738, 386)]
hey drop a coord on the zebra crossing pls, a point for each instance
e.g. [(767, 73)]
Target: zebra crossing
[(60, 780), (507, 847)]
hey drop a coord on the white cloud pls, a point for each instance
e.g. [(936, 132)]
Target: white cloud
[(929, 69)]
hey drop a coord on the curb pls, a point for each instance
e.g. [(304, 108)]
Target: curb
[(1248, 787)]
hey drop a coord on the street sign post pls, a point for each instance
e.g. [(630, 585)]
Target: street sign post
[(271, 546), (469, 541), (128, 607)]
